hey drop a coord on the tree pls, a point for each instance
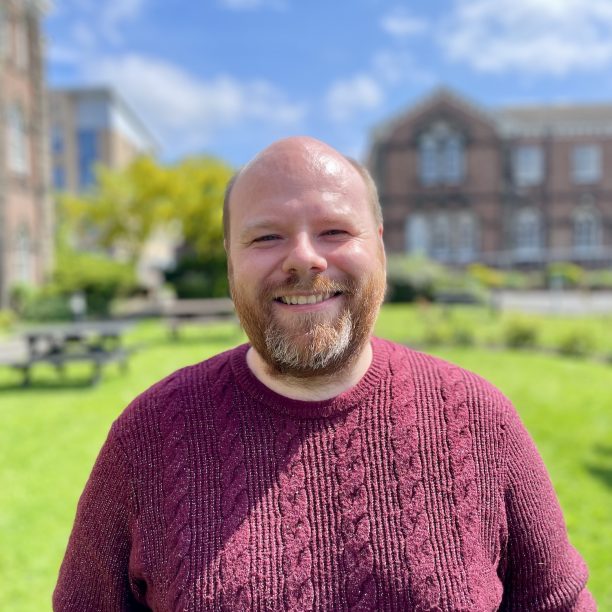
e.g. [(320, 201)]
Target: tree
[(127, 206)]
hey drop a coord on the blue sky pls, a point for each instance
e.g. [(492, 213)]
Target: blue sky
[(227, 77)]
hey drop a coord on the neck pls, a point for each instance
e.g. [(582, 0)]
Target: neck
[(315, 388)]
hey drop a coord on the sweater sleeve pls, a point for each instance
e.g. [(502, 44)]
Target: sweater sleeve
[(542, 570), (95, 571)]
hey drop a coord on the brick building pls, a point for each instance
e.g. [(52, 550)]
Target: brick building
[(26, 212), (508, 187)]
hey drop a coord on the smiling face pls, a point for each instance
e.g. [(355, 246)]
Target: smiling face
[(306, 261)]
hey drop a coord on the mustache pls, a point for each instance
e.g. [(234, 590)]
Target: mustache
[(318, 284)]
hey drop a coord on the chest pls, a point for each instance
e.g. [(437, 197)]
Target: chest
[(360, 514)]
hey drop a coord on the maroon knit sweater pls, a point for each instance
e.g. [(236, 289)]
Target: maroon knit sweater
[(417, 489)]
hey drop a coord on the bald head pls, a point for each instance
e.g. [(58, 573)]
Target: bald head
[(296, 158)]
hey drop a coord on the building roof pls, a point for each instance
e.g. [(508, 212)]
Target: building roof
[(113, 98), (528, 120), (558, 119)]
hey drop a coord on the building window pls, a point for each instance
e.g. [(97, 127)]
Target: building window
[(586, 164), (527, 165), (57, 139), (3, 33), (466, 236), (417, 234), (25, 261), (441, 154), (17, 140), (587, 231), (22, 55), (87, 142), (528, 240), (440, 238), (59, 177)]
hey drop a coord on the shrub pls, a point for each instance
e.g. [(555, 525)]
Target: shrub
[(486, 276), (435, 335), (565, 275), (576, 343), (197, 276), (412, 278), (99, 277), (463, 336), (520, 333), (599, 279), (7, 319)]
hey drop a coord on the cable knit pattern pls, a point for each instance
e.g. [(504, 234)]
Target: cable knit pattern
[(417, 489), (417, 549), (176, 497), (295, 526), (459, 439), (357, 552), (234, 565)]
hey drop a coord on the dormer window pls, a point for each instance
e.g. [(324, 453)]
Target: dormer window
[(441, 152)]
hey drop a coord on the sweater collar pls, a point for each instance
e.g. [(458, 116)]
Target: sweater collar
[(300, 409)]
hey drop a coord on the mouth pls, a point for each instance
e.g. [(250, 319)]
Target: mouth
[(315, 298)]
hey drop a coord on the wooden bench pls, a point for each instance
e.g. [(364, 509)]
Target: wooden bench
[(201, 311)]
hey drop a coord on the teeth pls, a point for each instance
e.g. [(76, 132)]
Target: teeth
[(305, 299)]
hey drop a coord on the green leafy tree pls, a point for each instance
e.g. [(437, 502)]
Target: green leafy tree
[(128, 206)]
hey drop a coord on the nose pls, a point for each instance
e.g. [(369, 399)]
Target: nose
[(303, 257)]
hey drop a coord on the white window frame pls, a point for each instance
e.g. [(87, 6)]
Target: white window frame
[(528, 165), (441, 156), (586, 164), (17, 140), (417, 234), (587, 224)]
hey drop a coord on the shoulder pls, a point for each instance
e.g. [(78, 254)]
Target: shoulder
[(433, 377), (186, 386)]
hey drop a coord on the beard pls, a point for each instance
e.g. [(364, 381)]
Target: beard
[(316, 343)]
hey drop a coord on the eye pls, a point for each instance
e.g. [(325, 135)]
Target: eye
[(335, 232), (266, 238)]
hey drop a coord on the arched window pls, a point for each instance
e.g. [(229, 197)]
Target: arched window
[(440, 237), (466, 236), (17, 140), (587, 231), (417, 234), (441, 155), (528, 233), (24, 256)]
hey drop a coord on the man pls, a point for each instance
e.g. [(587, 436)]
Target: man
[(317, 468)]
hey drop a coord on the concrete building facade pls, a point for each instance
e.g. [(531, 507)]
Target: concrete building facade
[(90, 126), (510, 187), (26, 211)]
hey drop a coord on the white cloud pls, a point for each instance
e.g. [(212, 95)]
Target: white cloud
[(115, 13), (186, 112), (349, 96), (250, 5), (394, 66), (553, 37), (402, 25)]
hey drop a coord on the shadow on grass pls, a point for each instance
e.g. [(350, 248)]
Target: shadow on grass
[(601, 466), (230, 337), (37, 386)]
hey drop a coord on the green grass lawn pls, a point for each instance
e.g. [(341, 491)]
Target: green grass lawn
[(50, 435)]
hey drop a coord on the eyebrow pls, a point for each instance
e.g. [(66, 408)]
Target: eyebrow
[(271, 224)]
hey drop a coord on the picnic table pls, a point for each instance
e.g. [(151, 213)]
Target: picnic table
[(95, 342), (178, 313)]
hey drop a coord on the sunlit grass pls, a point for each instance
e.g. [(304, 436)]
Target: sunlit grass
[(50, 435)]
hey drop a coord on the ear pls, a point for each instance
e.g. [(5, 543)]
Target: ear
[(225, 246)]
